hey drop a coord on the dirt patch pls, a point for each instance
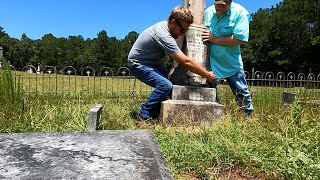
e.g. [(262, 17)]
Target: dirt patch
[(237, 173), (223, 173)]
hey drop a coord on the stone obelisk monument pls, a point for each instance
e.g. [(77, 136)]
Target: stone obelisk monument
[(192, 101), (192, 45)]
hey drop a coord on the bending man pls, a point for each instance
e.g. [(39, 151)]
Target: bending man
[(144, 59)]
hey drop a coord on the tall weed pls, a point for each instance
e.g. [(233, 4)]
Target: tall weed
[(11, 101)]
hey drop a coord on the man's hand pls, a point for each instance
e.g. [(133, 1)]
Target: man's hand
[(208, 37), (212, 77)]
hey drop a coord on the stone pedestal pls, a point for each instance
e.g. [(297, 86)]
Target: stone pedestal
[(177, 112), (191, 106)]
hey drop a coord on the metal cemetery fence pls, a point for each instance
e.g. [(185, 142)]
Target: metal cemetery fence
[(104, 80), (69, 81)]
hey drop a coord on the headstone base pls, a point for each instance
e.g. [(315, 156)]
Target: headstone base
[(193, 93), (187, 112)]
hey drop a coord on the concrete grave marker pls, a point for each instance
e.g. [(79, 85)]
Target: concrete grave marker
[(82, 155)]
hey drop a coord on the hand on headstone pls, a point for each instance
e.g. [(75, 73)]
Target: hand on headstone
[(212, 77), (208, 37)]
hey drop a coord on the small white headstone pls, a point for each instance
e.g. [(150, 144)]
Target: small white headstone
[(38, 70)]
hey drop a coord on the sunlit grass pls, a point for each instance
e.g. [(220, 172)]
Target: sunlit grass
[(279, 142)]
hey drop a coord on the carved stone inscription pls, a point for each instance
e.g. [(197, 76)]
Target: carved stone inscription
[(197, 50)]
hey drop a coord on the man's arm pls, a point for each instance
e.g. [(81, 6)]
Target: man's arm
[(193, 66), (226, 41)]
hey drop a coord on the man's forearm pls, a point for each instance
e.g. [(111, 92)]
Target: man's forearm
[(227, 41)]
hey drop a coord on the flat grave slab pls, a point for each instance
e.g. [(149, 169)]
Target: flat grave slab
[(122, 154)]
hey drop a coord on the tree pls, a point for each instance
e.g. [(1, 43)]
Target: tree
[(27, 51), (99, 50), (2, 33), (11, 50), (4, 39), (75, 47), (285, 37)]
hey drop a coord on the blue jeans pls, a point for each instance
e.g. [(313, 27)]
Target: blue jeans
[(154, 76), (239, 87)]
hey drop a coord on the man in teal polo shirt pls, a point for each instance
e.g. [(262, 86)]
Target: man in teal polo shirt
[(228, 24)]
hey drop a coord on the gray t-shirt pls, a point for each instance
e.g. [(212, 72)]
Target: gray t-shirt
[(152, 45)]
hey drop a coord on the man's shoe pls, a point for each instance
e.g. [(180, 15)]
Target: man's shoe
[(144, 119), (141, 117), (247, 115)]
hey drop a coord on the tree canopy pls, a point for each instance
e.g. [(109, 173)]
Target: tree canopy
[(285, 37)]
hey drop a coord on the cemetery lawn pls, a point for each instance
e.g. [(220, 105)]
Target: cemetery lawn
[(276, 143)]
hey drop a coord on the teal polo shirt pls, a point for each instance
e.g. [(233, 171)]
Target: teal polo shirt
[(225, 61)]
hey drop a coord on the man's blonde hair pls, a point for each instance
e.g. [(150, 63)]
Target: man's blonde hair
[(181, 14)]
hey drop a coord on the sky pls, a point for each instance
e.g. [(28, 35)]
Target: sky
[(64, 18)]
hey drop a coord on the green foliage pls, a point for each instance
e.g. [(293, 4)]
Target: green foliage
[(2, 34), (315, 41), (284, 37), (297, 112)]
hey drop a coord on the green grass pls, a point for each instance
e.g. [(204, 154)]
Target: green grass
[(283, 144), (279, 142), (275, 146)]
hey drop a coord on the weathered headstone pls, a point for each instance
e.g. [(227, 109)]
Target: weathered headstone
[(191, 98), (82, 155), (38, 70), (288, 98), (94, 117)]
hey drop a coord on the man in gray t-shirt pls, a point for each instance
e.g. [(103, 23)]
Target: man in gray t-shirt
[(148, 50)]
